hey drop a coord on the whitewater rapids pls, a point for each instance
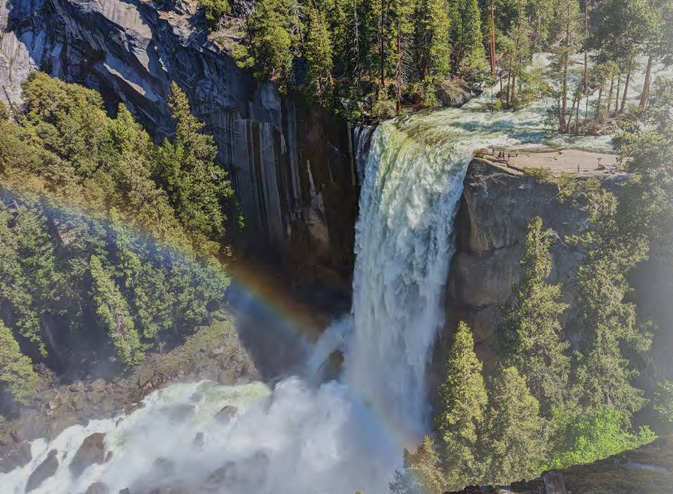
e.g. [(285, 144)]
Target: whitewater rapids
[(346, 435)]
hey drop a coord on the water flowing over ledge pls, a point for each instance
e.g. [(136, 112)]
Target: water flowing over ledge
[(344, 435)]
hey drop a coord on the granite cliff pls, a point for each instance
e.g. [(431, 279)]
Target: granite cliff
[(290, 162)]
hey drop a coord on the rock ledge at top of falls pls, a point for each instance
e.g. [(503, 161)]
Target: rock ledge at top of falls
[(290, 162), (645, 470)]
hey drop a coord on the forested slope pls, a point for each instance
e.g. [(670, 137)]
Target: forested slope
[(109, 244)]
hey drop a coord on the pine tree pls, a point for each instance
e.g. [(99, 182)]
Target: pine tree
[(515, 443), (517, 49), (532, 326), (463, 401), (607, 320), (273, 30), (621, 35), (113, 312), (422, 471), (197, 186), (16, 370), (658, 42), (401, 15), (469, 55), (432, 44), (567, 26), (318, 50)]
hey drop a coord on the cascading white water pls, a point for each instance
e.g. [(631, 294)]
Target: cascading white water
[(343, 436)]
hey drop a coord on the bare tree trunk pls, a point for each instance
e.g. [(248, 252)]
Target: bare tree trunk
[(575, 101), (626, 91), (612, 87), (382, 44), (492, 41), (399, 72), (598, 109), (646, 86), (619, 85), (564, 94), (509, 89)]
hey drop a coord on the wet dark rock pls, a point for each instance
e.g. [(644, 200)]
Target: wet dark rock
[(163, 466), (90, 452), (553, 482), (45, 470), (226, 415), (198, 441), (179, 413), (108, 456), (98, 488), (223, 477), (126, 490), (14, 455)]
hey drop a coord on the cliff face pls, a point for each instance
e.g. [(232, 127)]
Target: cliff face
[(290, 163), (492, 223)]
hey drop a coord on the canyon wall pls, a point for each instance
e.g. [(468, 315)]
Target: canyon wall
[(291, 163)]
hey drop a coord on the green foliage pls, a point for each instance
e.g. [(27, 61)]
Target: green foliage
[(197, 186), (607, 321), (540, 175), (16, 370), (273, 30), (469, 55), (593, 436), (422, 471), (463, 401), (214, 10), (514, 429), (532, 327), (646, 208), (663, 401), (114, 314), (319, 55), (432, 40), (105, 237)]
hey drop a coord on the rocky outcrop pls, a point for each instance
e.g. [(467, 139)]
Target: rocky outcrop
[(290, 162), (646, 470), (43, 471), (91, 451), (491, 226), (14, 455)]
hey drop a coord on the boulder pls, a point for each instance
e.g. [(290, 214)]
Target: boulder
[(44, 470), (163, 466), (15, 455), (98, 488), (223, 477), (91, 451), (198, 440), (226, 415)]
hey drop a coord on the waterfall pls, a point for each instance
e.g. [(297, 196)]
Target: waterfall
[(403, 247), (347, 434)]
